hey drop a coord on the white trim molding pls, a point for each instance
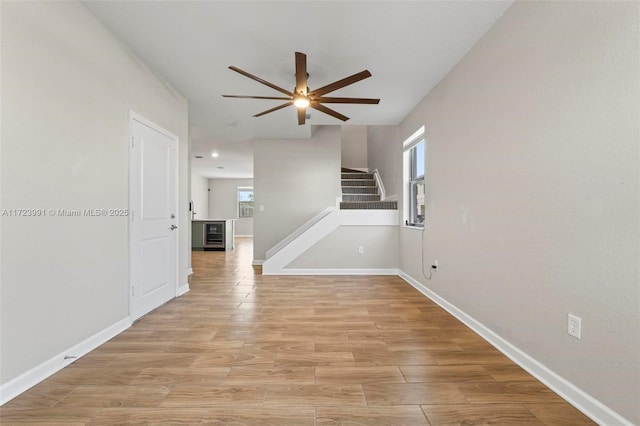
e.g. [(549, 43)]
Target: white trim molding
[(257, 262), (584, 402), (370, 271), (183, 289), (20, 384), (301, 230)]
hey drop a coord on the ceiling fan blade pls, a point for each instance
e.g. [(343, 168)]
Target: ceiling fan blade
[(259, 80), (329, 111), (256, 97), (341, 83), (301, 73), (347, 100), (302, 115), (286, 104)]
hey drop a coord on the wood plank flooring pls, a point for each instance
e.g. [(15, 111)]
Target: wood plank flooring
[(245, 349)]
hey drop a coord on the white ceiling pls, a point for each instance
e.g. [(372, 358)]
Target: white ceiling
[(408, 46)]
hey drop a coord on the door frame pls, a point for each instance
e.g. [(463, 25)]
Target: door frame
[(133, 116)]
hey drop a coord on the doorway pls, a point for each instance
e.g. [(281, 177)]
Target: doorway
[(153, 202)]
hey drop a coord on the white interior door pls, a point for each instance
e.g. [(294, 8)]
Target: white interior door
[(153, 209)]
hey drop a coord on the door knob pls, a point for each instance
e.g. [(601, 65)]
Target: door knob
[(173, 227)]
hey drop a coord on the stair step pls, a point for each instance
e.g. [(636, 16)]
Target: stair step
[(359, 190), (358, 182), (360, 197), (357, 176), (369, 205)]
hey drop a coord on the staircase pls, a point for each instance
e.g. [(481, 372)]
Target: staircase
[(360, 192), (362, 205)]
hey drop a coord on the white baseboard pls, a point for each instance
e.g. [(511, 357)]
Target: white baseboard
[(184, 288), (584, 402), (190, 271), (370, 271), (15, 387), (257, 262), (243, 235)]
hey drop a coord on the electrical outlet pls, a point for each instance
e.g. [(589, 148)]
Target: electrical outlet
[(434, 265), (574, 326), (360, 249)]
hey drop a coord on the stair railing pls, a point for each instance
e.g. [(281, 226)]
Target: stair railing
[(376, 176)]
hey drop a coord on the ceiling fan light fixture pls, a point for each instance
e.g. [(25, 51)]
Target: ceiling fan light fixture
[(302, 98), (301, 102)]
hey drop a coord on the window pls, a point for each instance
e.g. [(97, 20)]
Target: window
[(245, 202), (414, 167)]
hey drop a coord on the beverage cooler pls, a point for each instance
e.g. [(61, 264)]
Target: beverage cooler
[(212, 234)]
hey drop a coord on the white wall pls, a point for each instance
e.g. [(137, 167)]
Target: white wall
[(294, 179), (200, 196), (67, 88), (223, 203), (533, 207), (339, 250), (383, 155), (354, 147)]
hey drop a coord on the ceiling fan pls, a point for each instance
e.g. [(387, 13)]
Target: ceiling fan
[(304, 98)]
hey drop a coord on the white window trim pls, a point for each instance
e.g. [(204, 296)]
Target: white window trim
[(242, 188), (407, 145), (412, 140)]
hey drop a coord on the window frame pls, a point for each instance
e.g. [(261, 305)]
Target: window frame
[(413, 181), (239, 205)]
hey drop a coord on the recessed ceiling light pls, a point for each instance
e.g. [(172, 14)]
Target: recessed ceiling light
[(215, 154)]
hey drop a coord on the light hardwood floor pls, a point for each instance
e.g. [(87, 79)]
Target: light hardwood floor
[(245, 349)]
